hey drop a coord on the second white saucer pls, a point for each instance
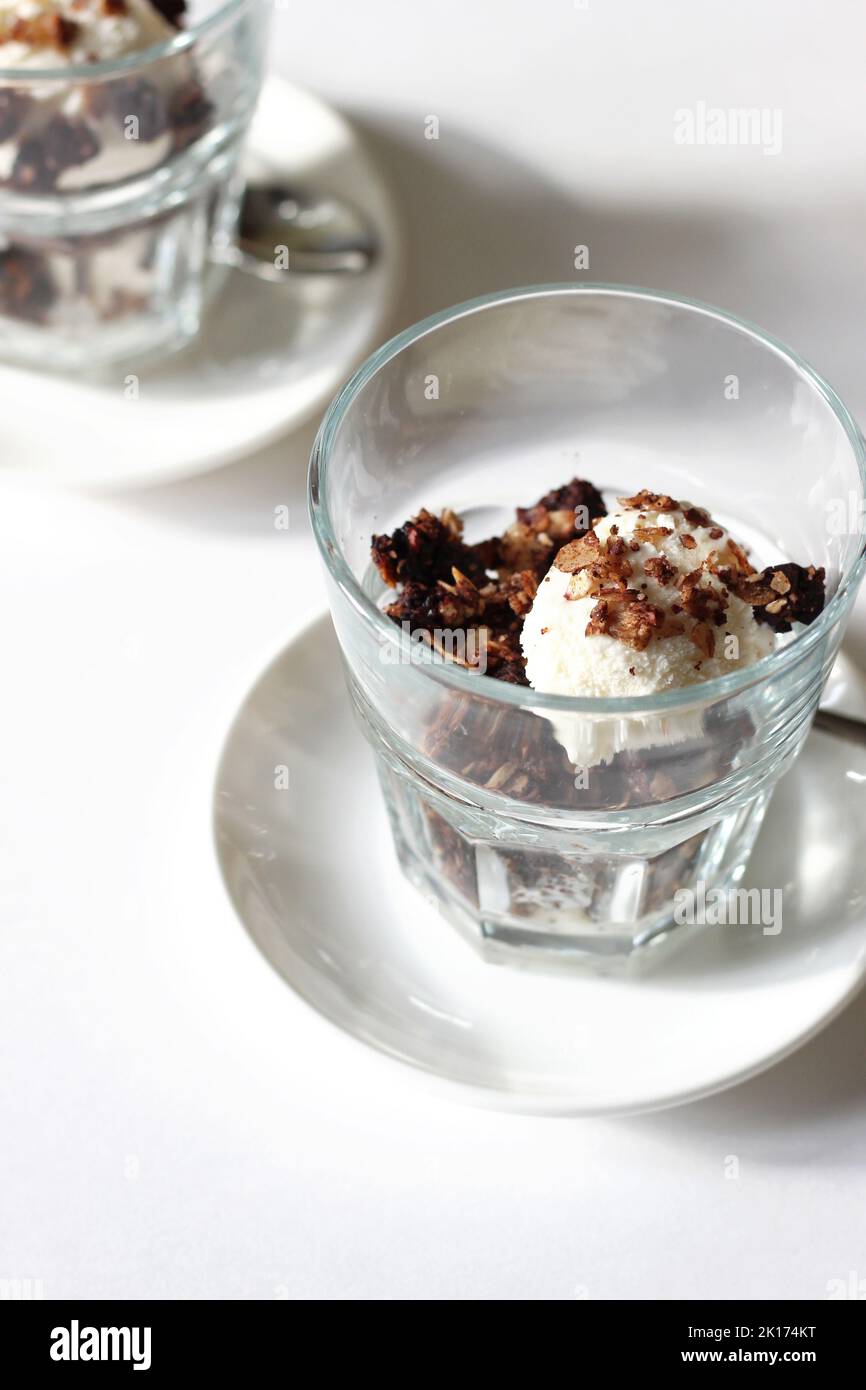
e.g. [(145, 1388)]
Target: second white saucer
[(267, 357)]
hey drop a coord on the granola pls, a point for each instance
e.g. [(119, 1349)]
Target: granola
[(488, 587)]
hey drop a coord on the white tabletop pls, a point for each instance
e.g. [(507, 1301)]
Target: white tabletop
[(175, 1121)]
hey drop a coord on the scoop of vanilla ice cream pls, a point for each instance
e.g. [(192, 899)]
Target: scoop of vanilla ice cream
[(562, 658)]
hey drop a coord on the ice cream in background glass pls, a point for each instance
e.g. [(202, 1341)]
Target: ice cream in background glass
[(49, 139), (121, 124)]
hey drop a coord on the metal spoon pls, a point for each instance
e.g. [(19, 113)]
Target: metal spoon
[(842, 725), (285, 231)]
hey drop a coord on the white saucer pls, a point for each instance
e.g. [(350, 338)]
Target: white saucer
[(267, 358), (313, 877)]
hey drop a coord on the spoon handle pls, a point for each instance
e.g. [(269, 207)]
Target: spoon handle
[(840, 725), (349, 262)]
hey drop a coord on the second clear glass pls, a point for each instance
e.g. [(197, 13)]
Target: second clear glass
[(109, 207)]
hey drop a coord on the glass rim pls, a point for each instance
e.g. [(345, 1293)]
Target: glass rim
[(178, 43), (467, 682)]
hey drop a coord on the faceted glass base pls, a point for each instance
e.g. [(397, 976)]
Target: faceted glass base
[(515, 890)]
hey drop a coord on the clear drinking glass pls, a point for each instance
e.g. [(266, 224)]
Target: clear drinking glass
[(115, 179), (490, 405)]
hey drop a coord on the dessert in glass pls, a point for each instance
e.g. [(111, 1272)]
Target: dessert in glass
[(121, 123), (580, 694)]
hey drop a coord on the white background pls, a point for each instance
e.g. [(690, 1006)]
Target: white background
[(175, 1122)]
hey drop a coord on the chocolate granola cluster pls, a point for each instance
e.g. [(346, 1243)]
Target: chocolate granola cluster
[(445, 583), (27, 289), (784, 594)]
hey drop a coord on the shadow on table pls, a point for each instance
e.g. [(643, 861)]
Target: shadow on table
[(476, 219), (784, 1111)]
